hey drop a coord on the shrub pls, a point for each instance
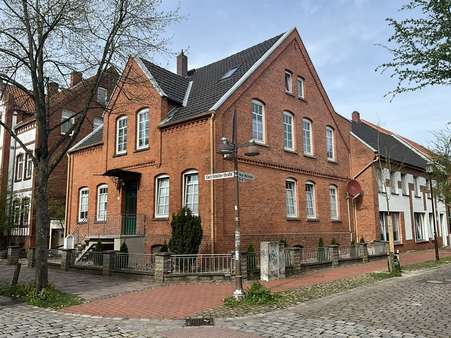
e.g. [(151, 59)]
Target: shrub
[(186, 232), (320, 243), (257, 294), (250, 248), (47, 298), (164, 247), (333, 242)]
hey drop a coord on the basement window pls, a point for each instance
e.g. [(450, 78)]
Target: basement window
[(229, 73)]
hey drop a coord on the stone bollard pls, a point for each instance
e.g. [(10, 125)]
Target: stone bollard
[(31, 257), (107, 263), (333, 254), (67, 258), (296, 255), (13, 254), (162, 266), (364, 249)]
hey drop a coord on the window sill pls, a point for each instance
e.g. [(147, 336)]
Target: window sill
[(261, 144), (313, 220), (160, 219), (82, 222), (302, 99), (421, 241), (395, 193), (406, 195), (141, 149), (313, 157), (99, 222), (293, 219), (336, 221), (416, 196), (289, 93), (332, 161), (119, 155), (294, 152)]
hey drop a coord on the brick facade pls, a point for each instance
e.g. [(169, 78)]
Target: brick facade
[(192, 145)]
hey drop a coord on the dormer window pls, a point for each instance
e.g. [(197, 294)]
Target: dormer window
[(229, 73), (288, 82)]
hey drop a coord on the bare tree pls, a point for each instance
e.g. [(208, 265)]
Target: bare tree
[(441, 159), (45, 40)]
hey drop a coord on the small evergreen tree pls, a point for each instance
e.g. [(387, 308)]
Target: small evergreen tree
[(123, 248), (186, 232)]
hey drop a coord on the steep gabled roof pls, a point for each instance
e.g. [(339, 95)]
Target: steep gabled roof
[(204, 87), (386, 144)]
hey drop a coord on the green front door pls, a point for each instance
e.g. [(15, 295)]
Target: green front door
[(129, 217)]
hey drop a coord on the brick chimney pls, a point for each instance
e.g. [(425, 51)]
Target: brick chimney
[(53, 88), (355, 116), (75, 77), (182, 64)]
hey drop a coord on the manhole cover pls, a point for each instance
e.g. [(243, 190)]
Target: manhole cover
[(202, 321)]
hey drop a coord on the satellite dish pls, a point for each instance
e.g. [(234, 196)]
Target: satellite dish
[(354, 189)]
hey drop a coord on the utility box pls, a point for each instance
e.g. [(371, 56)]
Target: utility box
[(272, 261)]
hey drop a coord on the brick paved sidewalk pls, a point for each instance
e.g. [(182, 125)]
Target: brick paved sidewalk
[(182, 300)]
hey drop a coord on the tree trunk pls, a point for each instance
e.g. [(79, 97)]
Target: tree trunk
[(42, 225)]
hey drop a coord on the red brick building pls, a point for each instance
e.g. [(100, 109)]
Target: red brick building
[(391, 172), (160, 137), (16, 166)]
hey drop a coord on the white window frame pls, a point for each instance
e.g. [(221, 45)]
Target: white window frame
[(393, 183), (196, 201), (404, 186), (102, 213), (422, 226), (311, 212), (334, 204), (294, 192), (68, 117), (142, 124), (81, 206), (20, 164), (330, 143), (158, 180), (300, 87), (416, 186), (383, 225), (288, 82), (28, 167), (125, 136), (25, 211), (263, 122), (288, 128), (309, 133), (102, 96)]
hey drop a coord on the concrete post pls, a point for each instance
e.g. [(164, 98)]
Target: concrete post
[(107, 263), (333, 254), (67, 258), (162, 266), (31, 257), (13, 254), (296, 256), (364, 251)]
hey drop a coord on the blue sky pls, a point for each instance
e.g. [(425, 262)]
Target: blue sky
[(341, 38)]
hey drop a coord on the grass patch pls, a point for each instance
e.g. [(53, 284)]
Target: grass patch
[(47, 298), (428, 264)]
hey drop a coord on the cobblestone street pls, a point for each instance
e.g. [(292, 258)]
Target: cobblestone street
[(417, 305)]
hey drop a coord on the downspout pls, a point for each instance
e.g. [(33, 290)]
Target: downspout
[(348, 198), (212, 186), (68, 179)]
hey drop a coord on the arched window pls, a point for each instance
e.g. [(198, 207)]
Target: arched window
[(291, 198), (258, 121), (191, 191), (288, 131), (142, 129), (330, 143), (333, 198), (83, 205), (307, 136), (310, 199), (162, 196), (102, 203), (121, 135)]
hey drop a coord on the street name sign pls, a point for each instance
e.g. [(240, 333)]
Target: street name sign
[(219, 176), (243, 176)]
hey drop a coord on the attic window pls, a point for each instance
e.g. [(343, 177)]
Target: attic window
[(229, 73)]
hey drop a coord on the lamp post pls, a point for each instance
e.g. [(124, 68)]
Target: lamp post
[(230, 151), (429, 171)]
